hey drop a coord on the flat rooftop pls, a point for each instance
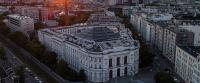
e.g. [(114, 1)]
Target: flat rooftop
[(193, 50)]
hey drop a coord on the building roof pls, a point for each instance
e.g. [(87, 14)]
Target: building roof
[(98, 34), (19, 17), (192, 50)]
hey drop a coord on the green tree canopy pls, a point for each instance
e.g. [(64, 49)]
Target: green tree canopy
[(62, 20), (2, 53), (49, 58), (39, 25), (20, 74), (162, 77), (82, 75), (19, 38)]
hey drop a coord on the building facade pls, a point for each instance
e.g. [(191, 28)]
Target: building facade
[(37, 13), (102, 46), (196, 71), (195, 29), (175, 36), (20, 23), (186, 58), (112, 55)]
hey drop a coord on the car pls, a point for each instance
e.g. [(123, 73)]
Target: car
[(27, 69), (10, 73), (39, 81), (8, 68), (12, 78), (32, 74), (36, 78)]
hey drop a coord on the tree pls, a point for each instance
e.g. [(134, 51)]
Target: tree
[(20, 74), (82, 75), (3, 16), (146, 58), (61, 68), (19, 38), (118, 11), (66, 72), (39, 25), (2, 54), (62, 20), (162, 77), (4, 30), (36, 49), (49, 58)]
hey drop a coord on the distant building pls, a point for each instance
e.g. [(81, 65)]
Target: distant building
[(129, 10), (196, 71), (193, 27), (37, 13), (106, 17), (162, 33), (186, 57), (111, 2), (171, 31), (175, 36), (3, 9), (20, 23)]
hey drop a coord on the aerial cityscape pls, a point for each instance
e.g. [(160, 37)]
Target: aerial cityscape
[(99, 41)]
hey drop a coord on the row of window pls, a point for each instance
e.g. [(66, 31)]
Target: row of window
[(118, 72), (118, 61)]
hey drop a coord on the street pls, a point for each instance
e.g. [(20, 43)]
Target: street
[(44, 72), (13, 63), (40, 69)]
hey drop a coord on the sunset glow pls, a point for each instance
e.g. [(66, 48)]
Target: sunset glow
[(60, 1)]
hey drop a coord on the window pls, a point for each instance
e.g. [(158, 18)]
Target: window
[(125, 60), (95, 59), (110, 74), (110, 62), (118, 61), (125, 71), (118, 72)]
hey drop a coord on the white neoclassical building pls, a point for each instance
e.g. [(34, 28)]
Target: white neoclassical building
[(104, 52)]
